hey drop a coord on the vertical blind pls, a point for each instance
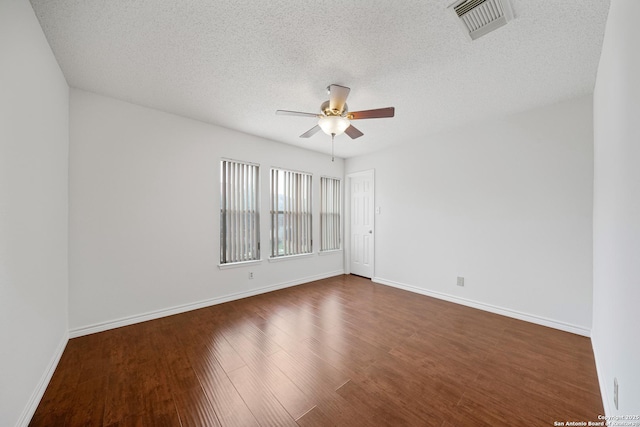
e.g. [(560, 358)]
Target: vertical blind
[(330, 203), (239, 212), (290, 213)]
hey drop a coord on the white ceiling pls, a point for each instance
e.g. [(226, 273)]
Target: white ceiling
[(234, 62)]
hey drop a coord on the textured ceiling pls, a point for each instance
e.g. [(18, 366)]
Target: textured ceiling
[(234, 62)]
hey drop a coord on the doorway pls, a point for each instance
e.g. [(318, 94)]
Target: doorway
[(361, 223)]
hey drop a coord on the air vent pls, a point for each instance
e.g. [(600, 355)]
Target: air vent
[(479, 17)]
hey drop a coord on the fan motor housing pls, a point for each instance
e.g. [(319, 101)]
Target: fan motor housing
[(329, 112)]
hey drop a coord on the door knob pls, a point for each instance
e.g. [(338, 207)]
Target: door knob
[(370, 231)]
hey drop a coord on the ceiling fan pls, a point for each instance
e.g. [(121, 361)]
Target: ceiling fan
[(335, 117)]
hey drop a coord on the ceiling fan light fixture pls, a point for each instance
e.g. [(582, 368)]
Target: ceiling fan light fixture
[(333, 125), (335, 118)]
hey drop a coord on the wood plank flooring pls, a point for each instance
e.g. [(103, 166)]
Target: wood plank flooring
[(340, 351)]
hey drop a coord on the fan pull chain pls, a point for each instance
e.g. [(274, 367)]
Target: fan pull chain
[(333, 135)]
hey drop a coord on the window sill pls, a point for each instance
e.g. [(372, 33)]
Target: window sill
[(331, 252), (290, 257), (239, 264)]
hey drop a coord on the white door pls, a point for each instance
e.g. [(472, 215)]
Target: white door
[(361, 212)]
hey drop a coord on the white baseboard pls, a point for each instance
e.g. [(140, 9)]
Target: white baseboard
[(138, 318), (604, 393), (567, 327), (36, 396)]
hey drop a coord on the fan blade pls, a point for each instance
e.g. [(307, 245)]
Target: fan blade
[(353, 132), (295, 113), (372, 114), (310, 132), (338, 97)]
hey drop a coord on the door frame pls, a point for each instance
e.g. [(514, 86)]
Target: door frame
[(347, 223)]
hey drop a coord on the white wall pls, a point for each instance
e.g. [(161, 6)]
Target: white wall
[(505, 204), (34, 143), (616, 213), (144, 212)]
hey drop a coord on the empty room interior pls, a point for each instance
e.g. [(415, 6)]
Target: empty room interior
[(319, 213)]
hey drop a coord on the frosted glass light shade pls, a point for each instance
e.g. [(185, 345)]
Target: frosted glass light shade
[(333, 125)]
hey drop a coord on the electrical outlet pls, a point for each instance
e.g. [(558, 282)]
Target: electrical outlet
[(615, 392), (251, 275), (460, 281)]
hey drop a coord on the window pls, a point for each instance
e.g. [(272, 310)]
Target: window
[(290, 213), (330, 203), (239, 212)]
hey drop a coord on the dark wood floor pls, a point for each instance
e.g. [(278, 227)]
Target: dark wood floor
[(340, 351)]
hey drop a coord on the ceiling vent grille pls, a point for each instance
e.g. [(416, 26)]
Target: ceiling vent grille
[(479, 17)]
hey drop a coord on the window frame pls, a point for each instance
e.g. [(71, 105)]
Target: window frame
[(296, 213), (243, 246), (333, 202)]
